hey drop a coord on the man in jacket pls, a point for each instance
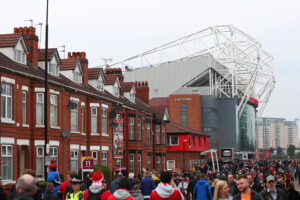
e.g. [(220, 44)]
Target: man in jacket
[(122, 193), (233, 190), (254, 185), (202, 190), (25, 187), (245, 191), (273, 193), (147, 185), (165, 191), (115, 184)]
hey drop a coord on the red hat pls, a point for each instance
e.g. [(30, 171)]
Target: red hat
[(52, 165), (97, 179)]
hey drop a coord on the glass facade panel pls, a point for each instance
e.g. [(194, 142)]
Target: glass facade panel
[(246, 140)]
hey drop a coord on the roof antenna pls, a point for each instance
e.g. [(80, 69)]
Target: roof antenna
[(106, 61), (64, 50), (29, 20), (41, 28)]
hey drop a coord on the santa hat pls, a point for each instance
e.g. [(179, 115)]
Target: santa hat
[(52, 165), (97, 179)]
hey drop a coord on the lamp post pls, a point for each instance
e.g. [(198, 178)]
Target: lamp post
[(183, 153), (46, 93)]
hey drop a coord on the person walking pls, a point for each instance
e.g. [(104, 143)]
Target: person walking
[(165, 191), (147, 185), (292, 193), (77, 193), (222, 191), (233, 190), (245, 192), (202, 190), (122, 193), (271, 192)]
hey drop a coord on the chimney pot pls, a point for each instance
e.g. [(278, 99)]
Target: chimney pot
[(16, 30), (69, 55)]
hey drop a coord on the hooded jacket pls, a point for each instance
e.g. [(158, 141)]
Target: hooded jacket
[(165, 191), (121, 194), (202, 191), (97, 190)]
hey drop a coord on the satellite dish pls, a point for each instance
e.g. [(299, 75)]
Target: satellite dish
[(66, 133)]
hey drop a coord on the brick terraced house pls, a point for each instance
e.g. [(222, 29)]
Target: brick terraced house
[(107, 118)]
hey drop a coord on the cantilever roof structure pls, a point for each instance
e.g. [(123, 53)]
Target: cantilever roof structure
[(232, 62)]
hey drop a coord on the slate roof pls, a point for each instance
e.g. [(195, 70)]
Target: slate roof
[(173, 127), (41, 54), (159, 101), (9, 40)]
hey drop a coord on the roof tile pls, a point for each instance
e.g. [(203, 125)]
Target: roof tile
[(68, 64), (8, 40)]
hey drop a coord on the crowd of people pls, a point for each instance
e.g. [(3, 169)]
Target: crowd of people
[(251, 180)]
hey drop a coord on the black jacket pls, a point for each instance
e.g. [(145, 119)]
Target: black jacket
[(293, 195), (2, 193), (233, 190), (281, 195), (254, 196), (22, 196), (256, 187), (36, 196)]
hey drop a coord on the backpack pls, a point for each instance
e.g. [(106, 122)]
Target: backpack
[(95, 196)]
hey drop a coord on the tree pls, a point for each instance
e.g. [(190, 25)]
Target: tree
[(271, 150), (279, 152), (291, 151)]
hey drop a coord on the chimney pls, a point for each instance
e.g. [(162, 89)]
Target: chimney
[(142, 91), (31, 40), (117, 71), (84, 63)]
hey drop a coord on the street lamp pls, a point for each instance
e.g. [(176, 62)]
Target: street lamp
[(183, 153)]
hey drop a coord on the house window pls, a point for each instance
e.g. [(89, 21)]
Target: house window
[(157, 134), (163, 134), (173, 140), (19, 56), (118, 163), (95, 156), (77, 77), (82, 119), (149, 161), (40, 162), (100, 85), (104, 120), (6, 101), (184, 114), (158, 160), (39, 108), (139, 126), (116, 91), (94, 120), (74, 117), (131, 128), (53, 69), (6, 162), (148, 133), (132, 97), (53, 154), (164, 162), (104, 158), (170, 164), (74, 160), (131, 160), (24, 99), (53, 110), (139, 163)]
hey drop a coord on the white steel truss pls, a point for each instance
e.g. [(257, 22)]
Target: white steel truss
[(249, 70)]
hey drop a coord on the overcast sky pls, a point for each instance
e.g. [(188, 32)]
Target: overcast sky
[(124, 28)]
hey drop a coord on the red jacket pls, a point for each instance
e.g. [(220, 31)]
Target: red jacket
[(96, 190), (121, 194), (62, 189), (164, 192)]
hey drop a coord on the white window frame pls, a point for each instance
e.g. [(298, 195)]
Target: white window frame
[(157, 133), (168, 164), (164, 162), (149, 133), (53, 104), (19, 56), (42, 106), (6, 96), (77, 78), (82, 118), (139, 127), (41, 157), (118, 162), (131, 162), (54, 154), (100, 85), (24, 107), (6, 155), (139, 163), (104, 121), (74, 127), (104, 158), (74, 157), (131, 97), (95, 156), (163, 134), (158, 163), (94, 127), (149, 161), (116, 91), (131, 128), (170, 140)]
